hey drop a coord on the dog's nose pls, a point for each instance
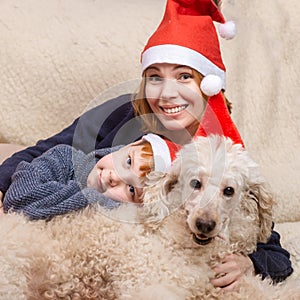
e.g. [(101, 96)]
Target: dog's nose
[(205, 226)]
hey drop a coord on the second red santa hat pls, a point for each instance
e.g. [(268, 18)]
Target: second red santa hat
[(215, 120)]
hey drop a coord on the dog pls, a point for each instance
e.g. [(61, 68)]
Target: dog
[(212, 202), (217, 182)]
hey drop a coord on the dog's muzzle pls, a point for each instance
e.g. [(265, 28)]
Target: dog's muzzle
[(205, 227), (201, 240)]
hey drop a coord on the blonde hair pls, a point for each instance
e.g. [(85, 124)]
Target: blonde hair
[(142, 109), (147, 162), (146, 157)]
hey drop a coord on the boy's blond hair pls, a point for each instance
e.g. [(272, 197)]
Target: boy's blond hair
[(146, 156)]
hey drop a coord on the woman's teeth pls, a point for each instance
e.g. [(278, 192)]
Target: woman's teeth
[(174, 110)]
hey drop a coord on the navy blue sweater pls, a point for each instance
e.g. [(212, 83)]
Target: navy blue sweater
[(114, 123), (96, 129)]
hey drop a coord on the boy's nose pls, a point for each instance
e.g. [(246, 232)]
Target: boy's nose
[(114, 178)]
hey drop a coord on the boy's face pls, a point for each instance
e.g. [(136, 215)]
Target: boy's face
[(117, 175)]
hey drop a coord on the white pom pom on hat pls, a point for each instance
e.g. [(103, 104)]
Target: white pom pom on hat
[(211, 85), (227, 30)]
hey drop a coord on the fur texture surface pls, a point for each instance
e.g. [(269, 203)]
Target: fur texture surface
[(70, 60), (76, 53), (162, 250)]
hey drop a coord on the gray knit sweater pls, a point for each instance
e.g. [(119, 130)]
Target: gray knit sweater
[(55, 183)]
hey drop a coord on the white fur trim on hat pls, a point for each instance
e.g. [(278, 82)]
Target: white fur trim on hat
[(175, 54), (161, 153), (211, 85)]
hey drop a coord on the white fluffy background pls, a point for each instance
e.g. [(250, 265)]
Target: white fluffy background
[(56, 56), (263, 82)]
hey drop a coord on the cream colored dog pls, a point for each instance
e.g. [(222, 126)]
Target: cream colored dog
[(212, 202)]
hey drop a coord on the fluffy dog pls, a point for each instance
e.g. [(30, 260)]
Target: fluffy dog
[(212, 202)]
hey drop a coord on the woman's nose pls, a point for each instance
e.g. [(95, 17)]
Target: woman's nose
[(169, 89)]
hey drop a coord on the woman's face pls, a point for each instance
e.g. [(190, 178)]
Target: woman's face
[(174, 95)]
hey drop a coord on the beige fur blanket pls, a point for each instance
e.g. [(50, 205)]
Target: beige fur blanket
[(56, 56)]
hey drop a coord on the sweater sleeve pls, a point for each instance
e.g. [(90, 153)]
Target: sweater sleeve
[(43, 209), (271, 260), (85, 133), (44, 188)]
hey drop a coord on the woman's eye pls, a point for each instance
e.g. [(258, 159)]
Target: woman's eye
[(154, 79), (128, 161), (229, 191), (131, 190), (185, 76), (195, 184)]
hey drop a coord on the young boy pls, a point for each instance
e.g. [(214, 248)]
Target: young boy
[(65, 179)]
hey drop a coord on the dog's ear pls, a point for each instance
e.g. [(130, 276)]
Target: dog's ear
[(156, 204), (259, 194)]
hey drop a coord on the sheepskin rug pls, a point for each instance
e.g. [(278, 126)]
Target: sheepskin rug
[(59, 55), (64, 259)]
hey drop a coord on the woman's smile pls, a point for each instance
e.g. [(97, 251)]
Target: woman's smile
[(173, 109)]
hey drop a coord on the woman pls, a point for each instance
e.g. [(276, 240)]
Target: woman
[(182, 70)]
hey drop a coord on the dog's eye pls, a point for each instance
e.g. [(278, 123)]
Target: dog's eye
[(229, 191), (195, 184)]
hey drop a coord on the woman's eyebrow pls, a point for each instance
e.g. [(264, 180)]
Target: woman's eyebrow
[(182, 67), (175, 67), (152, 68)]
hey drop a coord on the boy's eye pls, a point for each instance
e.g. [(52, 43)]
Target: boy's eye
[(131, 190), (128, 161)]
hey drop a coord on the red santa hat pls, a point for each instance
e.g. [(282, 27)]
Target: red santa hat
[(164, 151), (187, 36), (215, 120)]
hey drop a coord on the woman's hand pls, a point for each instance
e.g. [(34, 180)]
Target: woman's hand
[(230, 271)]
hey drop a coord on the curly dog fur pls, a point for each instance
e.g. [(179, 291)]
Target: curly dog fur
[(212, 202)]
